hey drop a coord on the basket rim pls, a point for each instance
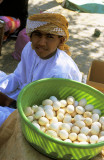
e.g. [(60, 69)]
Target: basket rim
[(20, 110)]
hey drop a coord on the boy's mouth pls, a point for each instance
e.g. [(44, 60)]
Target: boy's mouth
[(41, 49)]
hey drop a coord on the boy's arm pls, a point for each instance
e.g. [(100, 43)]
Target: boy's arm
[(14, 81), (6, 101)]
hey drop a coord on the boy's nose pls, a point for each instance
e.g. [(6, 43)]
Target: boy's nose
[(43, 41)]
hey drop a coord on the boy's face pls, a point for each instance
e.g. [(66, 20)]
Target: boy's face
[(45, 44)]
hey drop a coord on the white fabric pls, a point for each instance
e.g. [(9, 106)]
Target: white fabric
[(4, 113), (32, 68), (33, 25)]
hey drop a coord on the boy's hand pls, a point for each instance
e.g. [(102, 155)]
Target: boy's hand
[(5, 100)]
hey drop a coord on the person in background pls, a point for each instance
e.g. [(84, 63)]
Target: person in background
[(14, 13), (46, 55)]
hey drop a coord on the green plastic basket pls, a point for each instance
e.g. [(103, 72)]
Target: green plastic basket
[(39, 90)]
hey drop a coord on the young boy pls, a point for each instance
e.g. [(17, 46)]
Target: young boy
[(45, 56)]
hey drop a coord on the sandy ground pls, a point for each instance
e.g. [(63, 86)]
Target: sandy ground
[(83, 46)]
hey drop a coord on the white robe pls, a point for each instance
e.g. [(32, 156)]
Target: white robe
[(32, 68)]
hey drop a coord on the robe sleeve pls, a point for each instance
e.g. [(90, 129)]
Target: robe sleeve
[(75, 76), (66, 68), (12, 82)]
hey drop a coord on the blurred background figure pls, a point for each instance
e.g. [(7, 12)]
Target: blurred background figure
[(14, 13)]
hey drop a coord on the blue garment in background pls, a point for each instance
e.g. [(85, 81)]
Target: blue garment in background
[(87, 6)]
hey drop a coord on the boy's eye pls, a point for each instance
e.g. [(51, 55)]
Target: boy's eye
[(50, 36), (37, 34)]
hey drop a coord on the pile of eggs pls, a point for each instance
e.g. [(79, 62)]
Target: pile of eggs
[(68, 120)]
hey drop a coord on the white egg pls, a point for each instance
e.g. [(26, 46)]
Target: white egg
[(87, 114), (101, 133), (80, 110), (82, 137), (56, 105), (60, 116), (70, 108), (54, 127), (85, 130), (73, 114), (28, 111), (63, 134), (70, 124), (97, 111), (95, 130), (76, 142), (68, 140), (63, 103), (61, 111), (97, 123), (59, 124), (36, 125), (101, 139), (78, 117), (80, 124), (88, 138), (70, 100), (30, 118), (82, 102), (43, 121), (47, 102), (88, 121), (35, 121), (51, 133), (65, 126), (34, 108), (48, 107), (93, 139), (47, 126), (89, 107), (72, 136), (38, 114), (53, 98), (39, 109), (49, 114), (95, 117), (101, 120), (67, 118), (75, 103), (83, 142), (75, 129), (43, 129), (54, 120)]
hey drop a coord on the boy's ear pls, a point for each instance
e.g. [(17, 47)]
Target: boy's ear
[(62, 39)]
